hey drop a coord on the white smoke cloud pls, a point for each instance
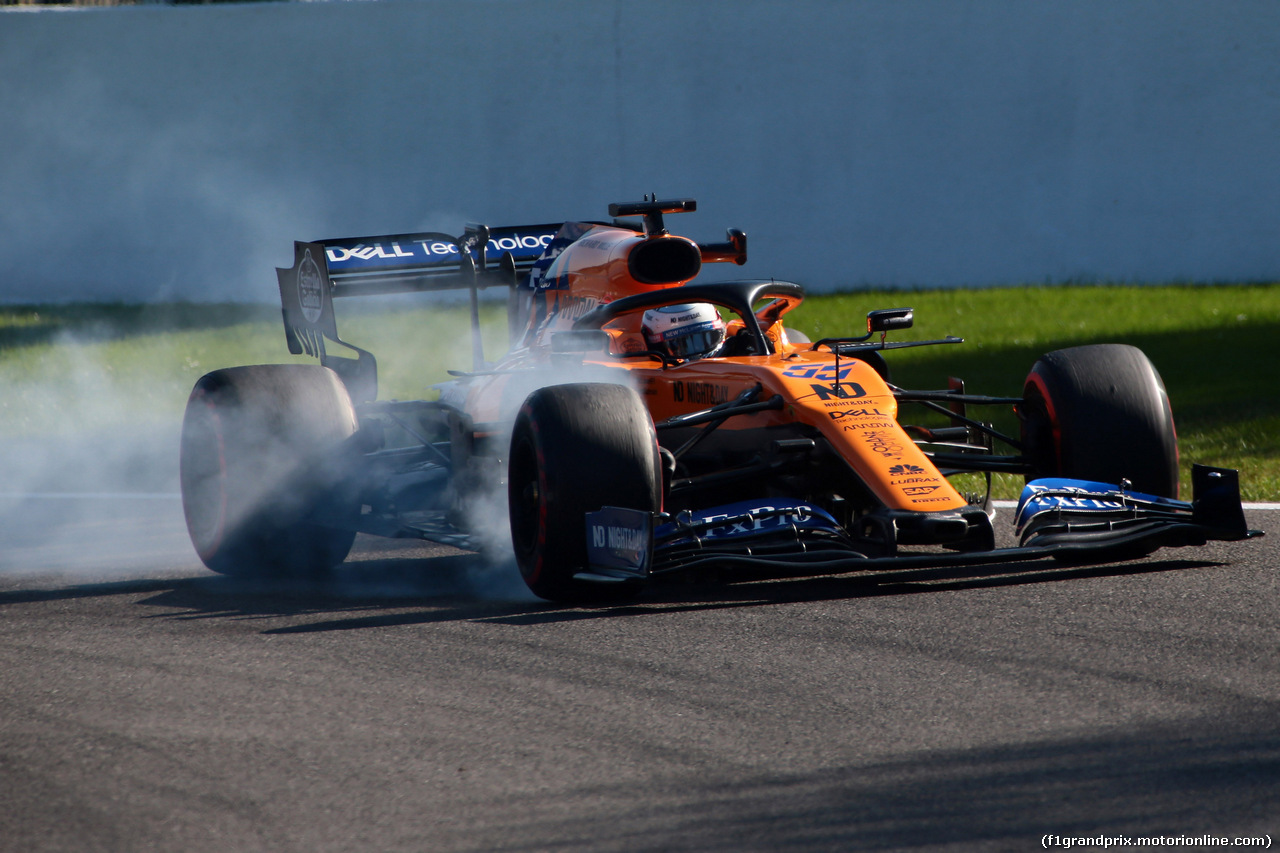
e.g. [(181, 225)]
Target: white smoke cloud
[(88, 471), (89, 460)]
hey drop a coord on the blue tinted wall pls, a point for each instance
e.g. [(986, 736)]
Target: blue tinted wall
[(176, 153)]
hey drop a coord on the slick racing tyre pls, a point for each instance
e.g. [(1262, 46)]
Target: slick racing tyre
[(264, 470), (1100, 413), (574, 449)]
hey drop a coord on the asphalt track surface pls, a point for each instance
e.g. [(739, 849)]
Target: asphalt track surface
[(422, 701)]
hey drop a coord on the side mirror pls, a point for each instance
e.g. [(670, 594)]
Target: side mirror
[(890, 319)]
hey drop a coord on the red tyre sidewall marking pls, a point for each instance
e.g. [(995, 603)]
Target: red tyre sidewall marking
[(1036, 380)]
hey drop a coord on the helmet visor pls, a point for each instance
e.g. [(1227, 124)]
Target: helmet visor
[(695, 344)]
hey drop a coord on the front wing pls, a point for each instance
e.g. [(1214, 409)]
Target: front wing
[(1074, 520)]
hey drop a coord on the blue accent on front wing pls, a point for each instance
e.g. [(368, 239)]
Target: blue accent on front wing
[(747, 518), (1059, 494)]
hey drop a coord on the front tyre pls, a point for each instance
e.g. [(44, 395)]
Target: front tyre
[(264, 470), (1100, 413), (574, 449)]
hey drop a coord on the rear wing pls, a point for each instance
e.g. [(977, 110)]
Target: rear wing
[(514, 256), (399, 263), (411, 263)]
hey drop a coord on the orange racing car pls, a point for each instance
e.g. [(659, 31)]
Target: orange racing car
[(644, 423)]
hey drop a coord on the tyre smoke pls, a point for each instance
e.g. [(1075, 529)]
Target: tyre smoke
[(88, 464), (91, 433)]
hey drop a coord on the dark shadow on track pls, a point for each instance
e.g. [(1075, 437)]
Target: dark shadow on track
[(384, 593), (376, 590), (674, 596), (1216, 776)]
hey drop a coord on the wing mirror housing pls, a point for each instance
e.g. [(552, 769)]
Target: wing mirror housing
[(890, 319)]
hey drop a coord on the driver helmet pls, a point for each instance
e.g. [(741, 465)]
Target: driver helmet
[(691, 330)]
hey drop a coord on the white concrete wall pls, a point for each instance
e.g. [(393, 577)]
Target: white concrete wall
[(156, 153)]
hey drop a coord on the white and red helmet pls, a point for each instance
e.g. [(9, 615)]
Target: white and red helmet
[(692, 330)]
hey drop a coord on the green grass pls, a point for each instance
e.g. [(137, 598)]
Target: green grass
[(65, 368), (69, 368)]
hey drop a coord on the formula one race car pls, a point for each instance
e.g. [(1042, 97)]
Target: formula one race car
[(643, 424)]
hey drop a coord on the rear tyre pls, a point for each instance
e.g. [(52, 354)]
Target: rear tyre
[(574, 449), (264, 469), (1100, 413)]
